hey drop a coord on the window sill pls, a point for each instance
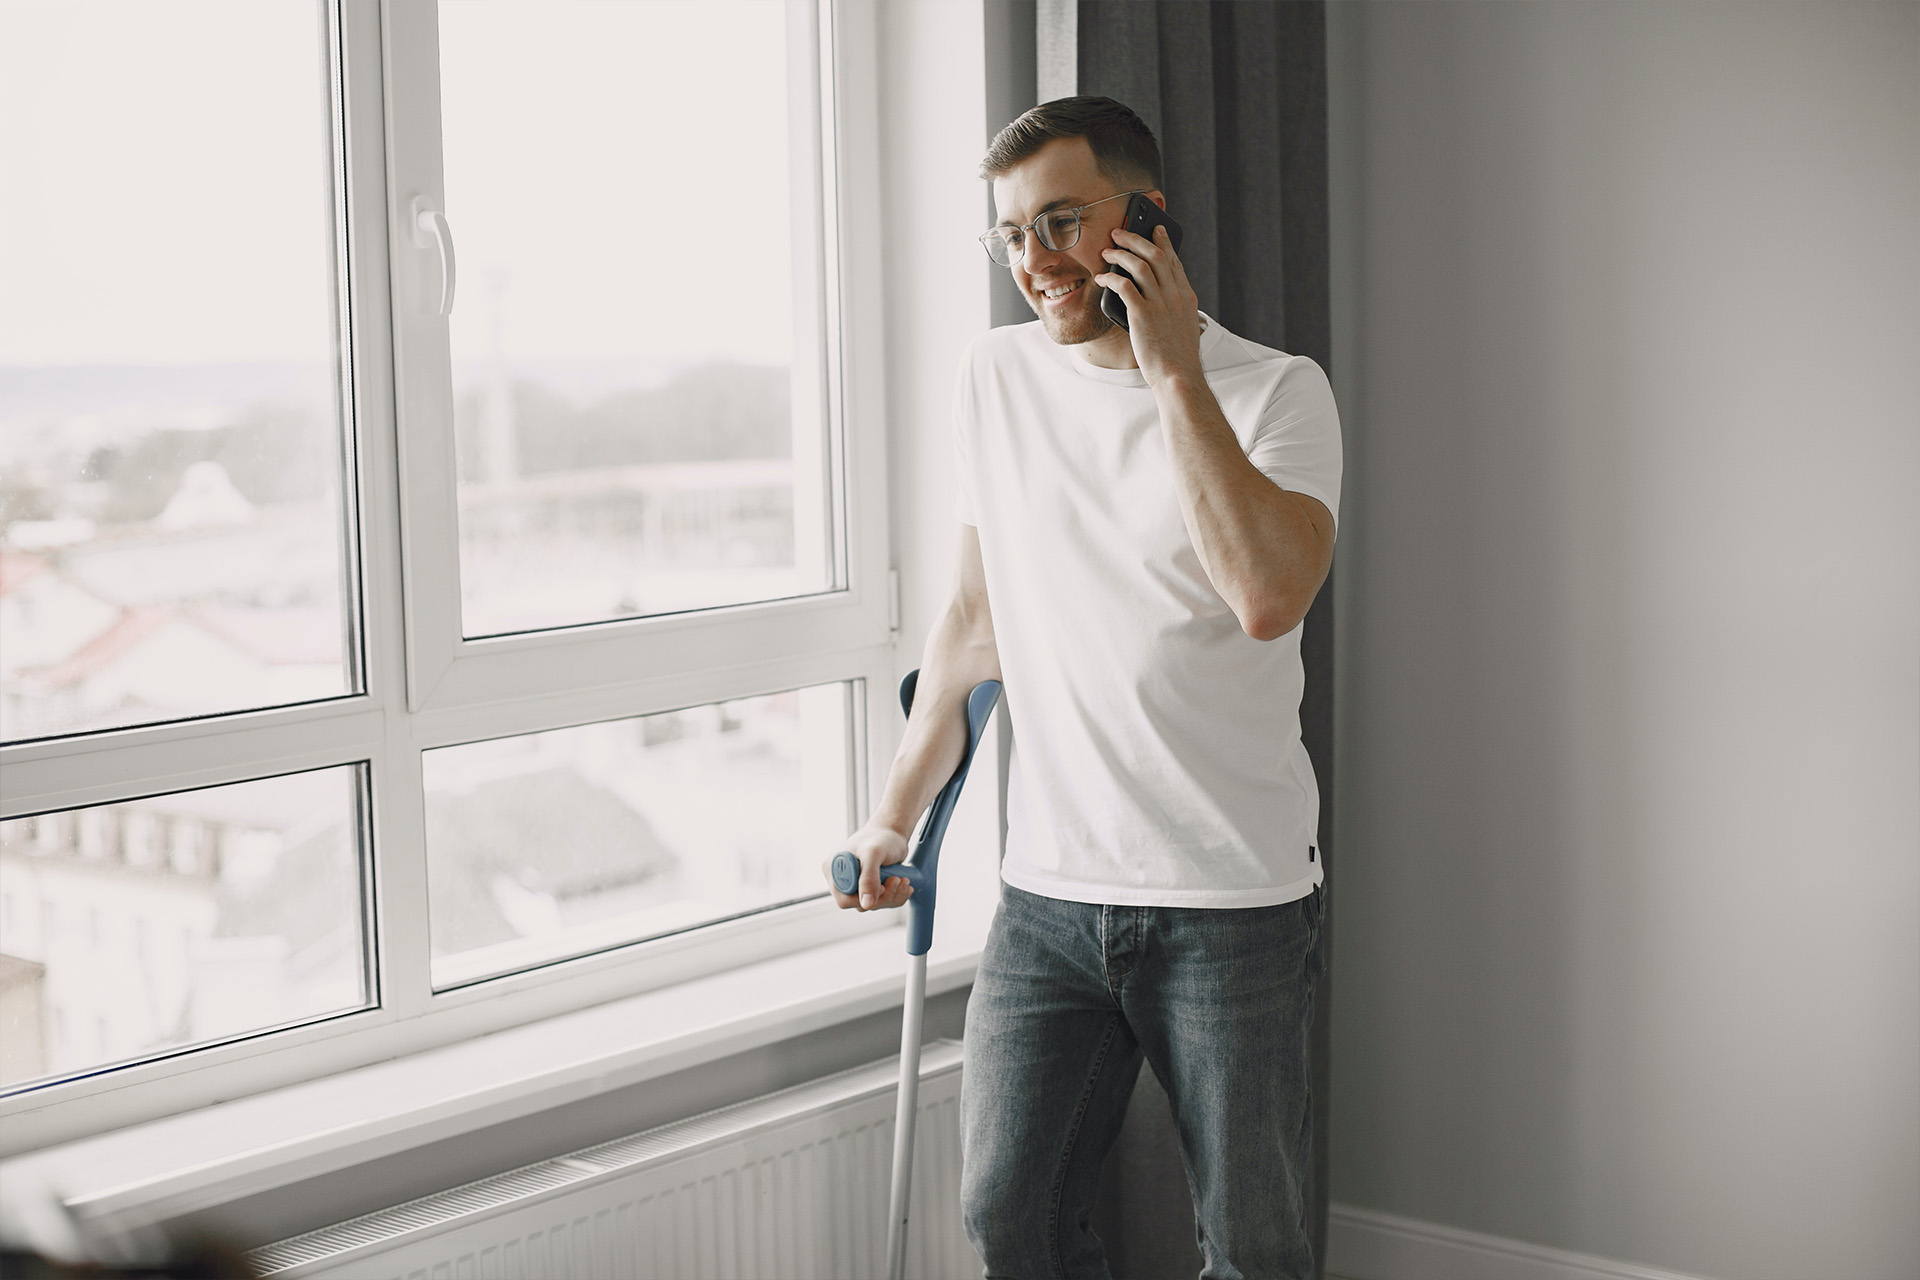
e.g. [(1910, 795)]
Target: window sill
[(191, 1162)]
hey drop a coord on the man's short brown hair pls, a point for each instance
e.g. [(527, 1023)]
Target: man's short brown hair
[(1124, 149)]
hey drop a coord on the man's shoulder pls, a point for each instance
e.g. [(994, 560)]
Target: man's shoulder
[(1229, 350), (1242, 362)]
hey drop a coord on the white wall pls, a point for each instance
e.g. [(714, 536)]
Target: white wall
[(932, 134), (1627, 917), (932, 117)]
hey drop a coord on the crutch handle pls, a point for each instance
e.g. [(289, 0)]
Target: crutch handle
[(922, 865), (846, 873)]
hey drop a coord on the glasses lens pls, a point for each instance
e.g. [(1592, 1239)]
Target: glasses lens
[(1003, 244), (1060, 230)]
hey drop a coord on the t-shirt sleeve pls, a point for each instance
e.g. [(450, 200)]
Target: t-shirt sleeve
[(1297, 443), (963, 423)]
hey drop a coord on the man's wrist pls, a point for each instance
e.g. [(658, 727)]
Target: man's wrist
[(1181, 381), (884, 819), (1184, 396)]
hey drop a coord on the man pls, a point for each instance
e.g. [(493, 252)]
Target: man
[(1146, 516)]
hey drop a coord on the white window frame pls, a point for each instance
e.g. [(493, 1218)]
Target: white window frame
[(424, 685)]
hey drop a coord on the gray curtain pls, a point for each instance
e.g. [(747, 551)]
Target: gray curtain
[(1236, 92)]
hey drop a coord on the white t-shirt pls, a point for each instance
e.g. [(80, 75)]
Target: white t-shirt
[(1158, 759)]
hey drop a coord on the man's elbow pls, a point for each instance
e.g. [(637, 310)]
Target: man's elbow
[(1270, 619), (1263, 630)]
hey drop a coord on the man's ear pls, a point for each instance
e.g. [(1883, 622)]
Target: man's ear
[(1159, 198)]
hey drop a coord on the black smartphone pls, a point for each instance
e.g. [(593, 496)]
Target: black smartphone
[(1143, 215)]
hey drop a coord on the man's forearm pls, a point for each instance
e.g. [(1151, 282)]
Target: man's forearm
[(960, 653), (1258, 543)]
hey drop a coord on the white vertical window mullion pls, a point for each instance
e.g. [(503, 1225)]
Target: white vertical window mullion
[(383, 135), (856, 330), (422, 360), (398, 831)]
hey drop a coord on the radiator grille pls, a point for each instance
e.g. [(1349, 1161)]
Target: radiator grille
[(788, 1186)]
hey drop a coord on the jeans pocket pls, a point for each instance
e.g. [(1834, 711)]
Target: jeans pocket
[(1312, 910)]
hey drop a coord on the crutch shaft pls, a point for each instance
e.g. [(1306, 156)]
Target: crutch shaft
[(920, 870), (906, 1113)]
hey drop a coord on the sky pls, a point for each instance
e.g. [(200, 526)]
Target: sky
[(617, 180)]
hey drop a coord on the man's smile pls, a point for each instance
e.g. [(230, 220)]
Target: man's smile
[(1055, 292), (1069, 309)]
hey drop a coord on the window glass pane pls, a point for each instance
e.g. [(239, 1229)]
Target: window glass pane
[(633, 187), (131, 929), (559, 844), (171, 531)]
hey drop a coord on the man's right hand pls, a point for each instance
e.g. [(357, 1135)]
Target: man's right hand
[(876, 847)]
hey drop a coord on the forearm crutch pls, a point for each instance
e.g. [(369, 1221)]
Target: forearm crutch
[(919, 870)]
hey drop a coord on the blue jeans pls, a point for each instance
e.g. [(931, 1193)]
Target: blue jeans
[(1070, 997)]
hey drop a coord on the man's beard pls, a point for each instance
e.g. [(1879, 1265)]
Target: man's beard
[(1070, 327)]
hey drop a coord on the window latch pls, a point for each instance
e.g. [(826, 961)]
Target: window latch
[(430, 230)]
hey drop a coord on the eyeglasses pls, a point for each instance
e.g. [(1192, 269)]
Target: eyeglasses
[(1058, 229)]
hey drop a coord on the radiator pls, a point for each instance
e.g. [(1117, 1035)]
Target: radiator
[(790, 1186)]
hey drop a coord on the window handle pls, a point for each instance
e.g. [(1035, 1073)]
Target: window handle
[(430, 229)]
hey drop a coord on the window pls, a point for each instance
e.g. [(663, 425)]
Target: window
[(176, 538), (442, 536), (722, 811), (267, 930), (637, 409)]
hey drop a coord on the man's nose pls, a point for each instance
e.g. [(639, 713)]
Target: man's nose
[(1032, 252)]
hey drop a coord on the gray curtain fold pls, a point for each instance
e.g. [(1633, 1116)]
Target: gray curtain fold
[(1236, 92)]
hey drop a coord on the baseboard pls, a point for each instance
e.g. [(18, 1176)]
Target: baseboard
[(1365, 1244)]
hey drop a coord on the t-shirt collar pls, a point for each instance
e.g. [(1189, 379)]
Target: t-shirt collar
[(1210, 334)]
